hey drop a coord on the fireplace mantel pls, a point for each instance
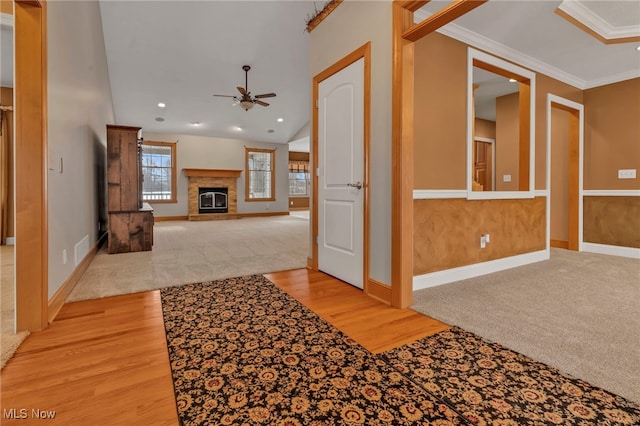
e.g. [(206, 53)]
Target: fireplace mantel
[(212, 178), (220, 173)]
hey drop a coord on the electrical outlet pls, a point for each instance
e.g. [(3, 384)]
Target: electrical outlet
[(483, 241), (627, 174), (506, 178), (487, 238), (64, 256)]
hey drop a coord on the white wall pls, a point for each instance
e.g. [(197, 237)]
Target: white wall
[(199, 152), (79, 107), (348, 27)]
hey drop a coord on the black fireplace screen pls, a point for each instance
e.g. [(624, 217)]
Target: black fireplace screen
[(213, 200)]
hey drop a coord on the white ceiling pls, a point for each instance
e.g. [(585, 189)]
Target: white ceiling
[(182, 52)]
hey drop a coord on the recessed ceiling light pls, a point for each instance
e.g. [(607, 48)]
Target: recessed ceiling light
[(195, 123), (161, 104), (270, 131), (638, 48), (159, 119), (237, 128), (280, 120)]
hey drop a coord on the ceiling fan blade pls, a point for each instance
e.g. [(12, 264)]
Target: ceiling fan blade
[(265, 95), (259, 102), (242, 90), (225, 96)]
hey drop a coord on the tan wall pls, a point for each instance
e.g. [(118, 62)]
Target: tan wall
[(6, 6), (447, 232), (440, 113), (560, 174), (612, 135), (6, 99), (507, 141), (484, 128), (612, 220)]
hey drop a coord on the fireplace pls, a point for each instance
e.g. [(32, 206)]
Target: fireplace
[(213, 200), (222, 206)]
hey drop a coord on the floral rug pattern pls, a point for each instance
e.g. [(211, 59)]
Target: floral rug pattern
[(492, 385), (242, 351)]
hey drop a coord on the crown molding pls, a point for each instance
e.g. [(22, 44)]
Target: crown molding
[(610, 79), (6, 20), (493, 47), (596, 23)]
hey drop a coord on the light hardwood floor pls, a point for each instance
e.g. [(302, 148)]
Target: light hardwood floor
[(105, 361)]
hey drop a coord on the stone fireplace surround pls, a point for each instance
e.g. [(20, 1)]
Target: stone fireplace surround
[(212, 178)]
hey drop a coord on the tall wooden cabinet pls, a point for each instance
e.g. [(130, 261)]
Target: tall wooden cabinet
[(130, 220)]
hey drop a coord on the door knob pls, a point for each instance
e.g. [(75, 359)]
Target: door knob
[(356, 185)]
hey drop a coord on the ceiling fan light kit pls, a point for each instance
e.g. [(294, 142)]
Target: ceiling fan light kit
[(247, 105), (246, 101)]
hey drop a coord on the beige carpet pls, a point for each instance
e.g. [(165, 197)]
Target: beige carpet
[(578, 312), (188, 252), (9, 340)]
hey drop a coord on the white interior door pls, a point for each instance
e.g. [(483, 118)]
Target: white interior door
[(341, 174)]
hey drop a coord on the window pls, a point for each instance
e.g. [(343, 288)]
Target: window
[(260, 174), (298, 178), (159, 172)]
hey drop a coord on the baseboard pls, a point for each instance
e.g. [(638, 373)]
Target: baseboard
[(11, 241), (632, 252), (262, 214), (56, 302), (559, 244), (168, 218), (379, 291), (310, 263), (447, 276)]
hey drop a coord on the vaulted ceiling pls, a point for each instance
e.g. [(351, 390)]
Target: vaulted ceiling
[(182, 52)]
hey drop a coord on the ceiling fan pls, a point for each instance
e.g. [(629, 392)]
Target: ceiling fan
[(245, 100)]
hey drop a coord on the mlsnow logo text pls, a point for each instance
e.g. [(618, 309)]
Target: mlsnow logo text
[(24, 413)]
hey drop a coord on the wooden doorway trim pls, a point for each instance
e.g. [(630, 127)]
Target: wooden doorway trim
[(31, 219), (405, 33), (576, 168), (364, 52)]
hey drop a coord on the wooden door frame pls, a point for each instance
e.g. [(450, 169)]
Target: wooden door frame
[(31, 215), (363, 52), (404, 34), (576, 168)]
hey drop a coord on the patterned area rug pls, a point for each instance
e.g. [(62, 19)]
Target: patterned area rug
[(242, 351), (490, 384)]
